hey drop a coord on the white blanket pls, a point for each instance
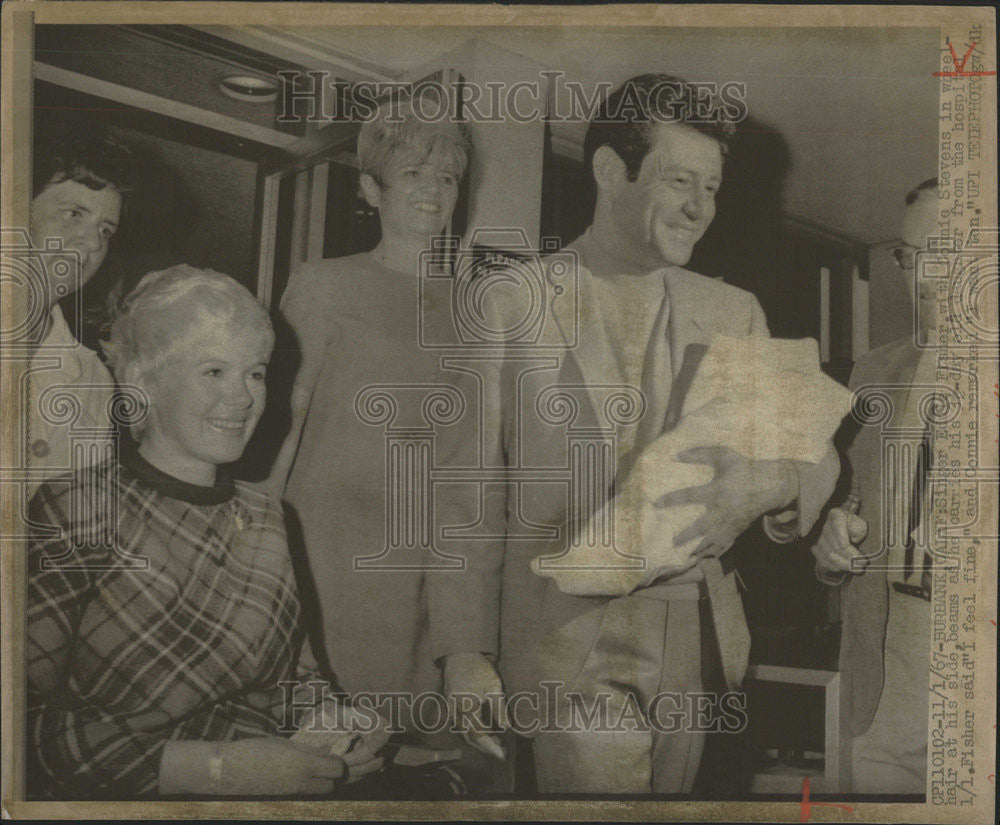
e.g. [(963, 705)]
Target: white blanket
[(764, 398)]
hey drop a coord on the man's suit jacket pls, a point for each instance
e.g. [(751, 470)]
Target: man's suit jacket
[(865, 597), (526, 429)]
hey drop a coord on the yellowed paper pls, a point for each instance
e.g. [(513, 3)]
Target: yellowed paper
[(465, 425)]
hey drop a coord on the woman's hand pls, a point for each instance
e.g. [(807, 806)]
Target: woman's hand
[(260, 766), (356, 735)]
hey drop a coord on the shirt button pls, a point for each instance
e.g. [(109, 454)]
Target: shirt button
[(40, 448)]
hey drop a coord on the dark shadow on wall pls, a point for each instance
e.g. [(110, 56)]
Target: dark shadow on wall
[(743, 244)]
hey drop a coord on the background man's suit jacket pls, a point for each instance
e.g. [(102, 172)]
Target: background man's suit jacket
[(865, 597)]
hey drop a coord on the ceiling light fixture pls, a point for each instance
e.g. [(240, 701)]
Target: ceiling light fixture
[(249, 88)]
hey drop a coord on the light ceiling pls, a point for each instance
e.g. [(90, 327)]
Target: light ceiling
[(856, 106)]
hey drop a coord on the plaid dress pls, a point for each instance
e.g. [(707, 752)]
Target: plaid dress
[(157, 610)]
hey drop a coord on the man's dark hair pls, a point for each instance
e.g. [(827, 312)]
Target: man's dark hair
[(913, 194), (95, 159), (626, 119)]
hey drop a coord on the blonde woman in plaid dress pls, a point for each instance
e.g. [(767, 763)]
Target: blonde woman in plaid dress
[(163, 620)]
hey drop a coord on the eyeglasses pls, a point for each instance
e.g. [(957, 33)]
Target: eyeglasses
[(904, 256)]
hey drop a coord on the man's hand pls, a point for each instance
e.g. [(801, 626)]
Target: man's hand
[(835, 548), (469, 681), (741, 491)]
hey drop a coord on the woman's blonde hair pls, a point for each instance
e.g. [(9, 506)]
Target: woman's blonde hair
[(404, 125), (158, 315)]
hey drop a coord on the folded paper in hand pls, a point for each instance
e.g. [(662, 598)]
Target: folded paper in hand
[(764, 398), (333, 733)]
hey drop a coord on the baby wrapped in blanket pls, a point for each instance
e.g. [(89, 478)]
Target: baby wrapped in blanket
[(764, 398)]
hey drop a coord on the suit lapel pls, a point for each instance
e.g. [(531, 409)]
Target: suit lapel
[(658, 372), (688, 344), (678, 344), (691, 360)]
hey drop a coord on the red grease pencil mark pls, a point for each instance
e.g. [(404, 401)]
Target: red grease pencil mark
[(960, 67), (807, 806)]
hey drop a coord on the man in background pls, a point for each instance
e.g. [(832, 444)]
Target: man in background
[(885, 593), (79, 183)]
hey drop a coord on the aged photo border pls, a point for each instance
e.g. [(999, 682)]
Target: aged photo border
[(18, 19)]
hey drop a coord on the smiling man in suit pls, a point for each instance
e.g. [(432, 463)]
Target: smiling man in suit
[(609, 687)]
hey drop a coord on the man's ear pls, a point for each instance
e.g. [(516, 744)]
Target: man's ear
[(608, 168), (373, 192)]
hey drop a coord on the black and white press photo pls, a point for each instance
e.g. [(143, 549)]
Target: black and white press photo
[(576, 412)]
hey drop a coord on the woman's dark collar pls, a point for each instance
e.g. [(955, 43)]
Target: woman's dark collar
[(221, 492)]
